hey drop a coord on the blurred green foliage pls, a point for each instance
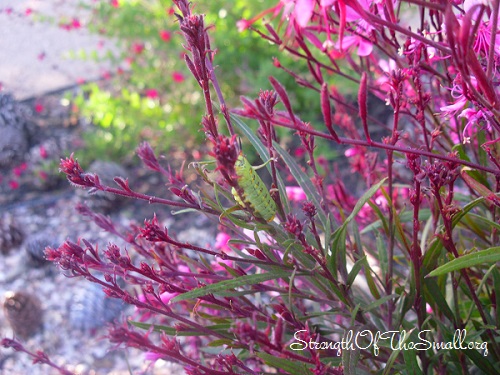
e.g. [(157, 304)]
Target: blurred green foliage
[(146, 99)]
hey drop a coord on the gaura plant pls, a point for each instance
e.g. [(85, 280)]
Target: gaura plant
[(390, 264)]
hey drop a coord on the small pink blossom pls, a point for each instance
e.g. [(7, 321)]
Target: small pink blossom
[(28, 11), (152, 356), (43, 152), (352, 151), (13, 184), (151, 93), (242, 25), (295, 193), (474, 118), (137, 48), (43, 175), (115, 3), (165, 35), (299, 152), (106, 74), (221, 241), (41, 56), (18, 171), (303, 11), (39, 108), (75, 23), (178, 77), (166, 297), (364, 47)]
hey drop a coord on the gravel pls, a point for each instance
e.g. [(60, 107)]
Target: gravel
[(68, 337)]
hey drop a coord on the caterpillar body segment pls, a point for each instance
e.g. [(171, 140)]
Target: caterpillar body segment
[(256, 196)]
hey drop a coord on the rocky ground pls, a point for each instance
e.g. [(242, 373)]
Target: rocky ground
[(71, 314)]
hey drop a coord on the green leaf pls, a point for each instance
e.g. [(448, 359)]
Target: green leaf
[(303, 180), (230, 284), (219, 328), (350, 359), (355, 270), (380, 302), (292, 367), (496, 281), (411, 364), (365, 198), (487, 256)]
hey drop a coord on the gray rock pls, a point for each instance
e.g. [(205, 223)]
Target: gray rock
[(100, 201), (90, 308), (24, 313), (16, 131), (11, 234)]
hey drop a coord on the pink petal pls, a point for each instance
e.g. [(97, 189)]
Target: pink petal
[(365, 48), (303, 11)]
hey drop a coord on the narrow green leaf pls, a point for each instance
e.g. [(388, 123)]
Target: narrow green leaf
[(230, 284), (337, 251), (355, 270), (219, 328), (481, 362), (487, 256), (365, 198), (496, 281), (350, 359), (303, 180), (411, 364), (379, 302), (382, 256), (292, 367), (434, 294)]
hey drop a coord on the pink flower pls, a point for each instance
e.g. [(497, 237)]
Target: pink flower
[(295, 193), (13, 184), (242, 25), (299, 152), (115, 3), (303, 11), (166, 297), (152, 356), (454, 107), (178, 77), (151, 93), (165, 35), (137, 48), (75, 23), (364, 47), (43, 152), (106, 74), (18, 171), (39, 108), (428, 309), (352, 152), (474, 118), (28, 11), (221, 241), (41, 56)]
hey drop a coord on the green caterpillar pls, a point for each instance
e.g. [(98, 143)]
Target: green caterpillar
[(255, 192)]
